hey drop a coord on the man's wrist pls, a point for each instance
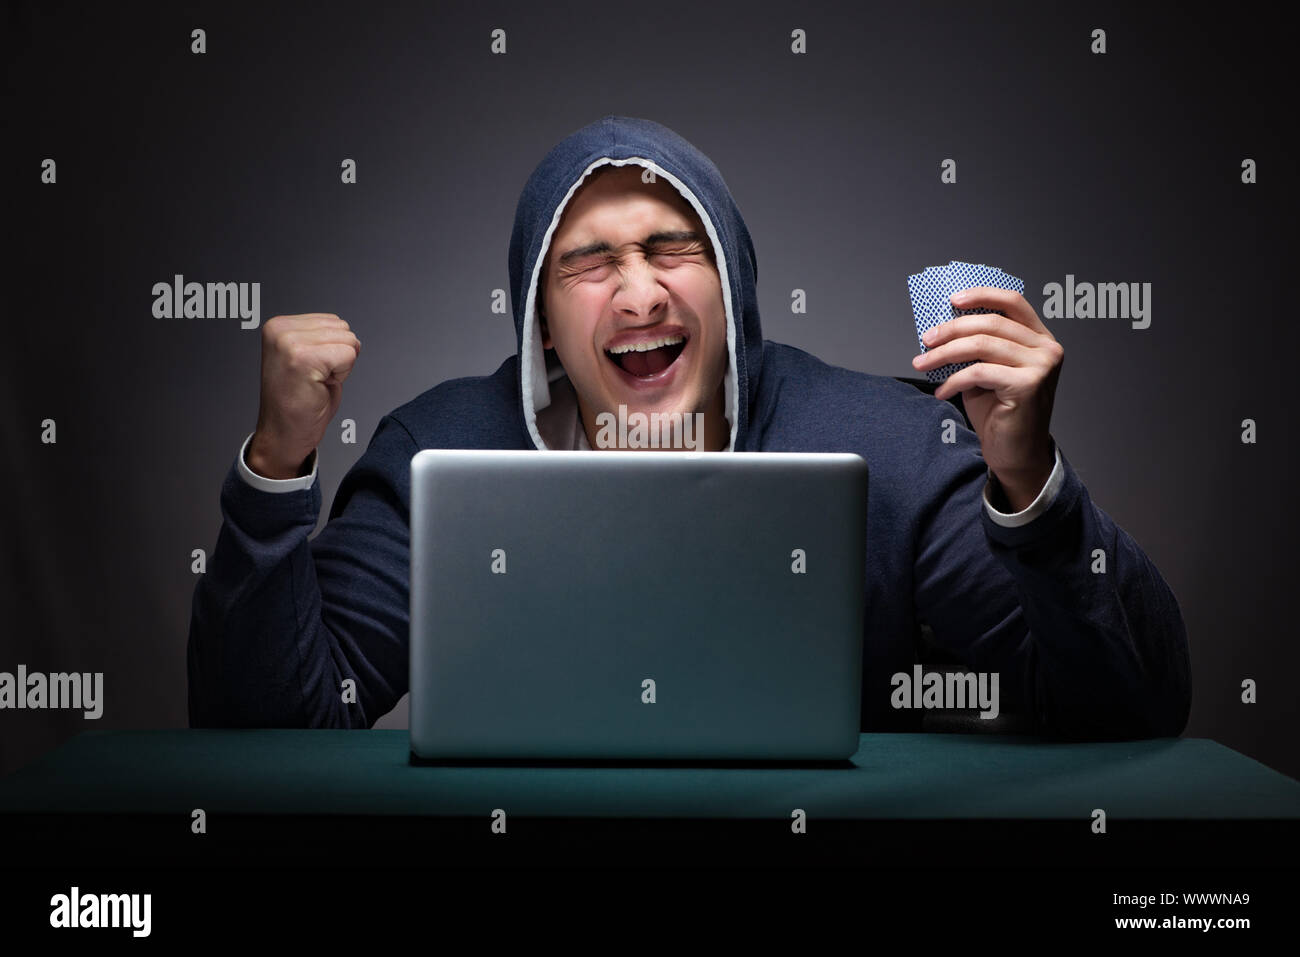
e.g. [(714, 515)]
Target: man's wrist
[(275, 469), (1020, 489), (998, 509), (277, 486)]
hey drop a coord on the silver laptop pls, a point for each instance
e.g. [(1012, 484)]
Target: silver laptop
[(626, 605)]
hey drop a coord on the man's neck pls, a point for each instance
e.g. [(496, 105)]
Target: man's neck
[(713, 437)]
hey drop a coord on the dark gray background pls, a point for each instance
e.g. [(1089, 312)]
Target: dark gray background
[(225, 167)]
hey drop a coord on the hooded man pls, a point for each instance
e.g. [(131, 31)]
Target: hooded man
[(633, 281)]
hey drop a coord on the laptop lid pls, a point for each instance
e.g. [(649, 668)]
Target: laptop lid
[(636, 605)]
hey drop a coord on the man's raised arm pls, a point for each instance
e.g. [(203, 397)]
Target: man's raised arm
[(287, 631)]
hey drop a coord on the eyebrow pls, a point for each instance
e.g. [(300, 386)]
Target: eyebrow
[(654, 239)]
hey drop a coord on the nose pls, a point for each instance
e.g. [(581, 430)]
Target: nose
[(639, 292)]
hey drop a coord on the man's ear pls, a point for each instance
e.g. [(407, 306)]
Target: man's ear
[(546, 332)]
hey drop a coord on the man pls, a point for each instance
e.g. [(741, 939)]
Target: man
[(634, 283), (635, 270)]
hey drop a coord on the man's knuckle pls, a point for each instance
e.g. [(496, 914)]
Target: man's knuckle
[(297, 355)]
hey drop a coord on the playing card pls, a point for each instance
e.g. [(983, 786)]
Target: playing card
[(968, 275), (929, 303), (931, 306)]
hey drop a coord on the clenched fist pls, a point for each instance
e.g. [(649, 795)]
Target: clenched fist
[(304, 362)]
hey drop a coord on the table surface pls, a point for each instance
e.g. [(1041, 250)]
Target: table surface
[(892, 776)]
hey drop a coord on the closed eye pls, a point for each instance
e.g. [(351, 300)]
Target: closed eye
[(666, 258), (678, 254)]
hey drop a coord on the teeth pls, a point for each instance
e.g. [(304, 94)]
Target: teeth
[(647, 346)]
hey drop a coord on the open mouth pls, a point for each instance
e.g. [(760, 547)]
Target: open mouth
[(644, 360)]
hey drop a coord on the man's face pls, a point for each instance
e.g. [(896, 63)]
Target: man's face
[(630, 265)]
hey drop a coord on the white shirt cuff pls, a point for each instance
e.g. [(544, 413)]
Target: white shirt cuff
[(1037, 507), (275, 485)]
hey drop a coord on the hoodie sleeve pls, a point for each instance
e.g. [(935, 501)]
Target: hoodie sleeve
[(1087, 637), (280, 621)]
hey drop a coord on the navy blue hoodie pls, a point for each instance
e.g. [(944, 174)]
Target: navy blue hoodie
[(280, 620)]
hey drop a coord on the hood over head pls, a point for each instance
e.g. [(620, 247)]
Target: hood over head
[(619, 141)]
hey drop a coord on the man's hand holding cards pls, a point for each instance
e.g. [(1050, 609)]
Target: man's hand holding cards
[(979, 336)]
